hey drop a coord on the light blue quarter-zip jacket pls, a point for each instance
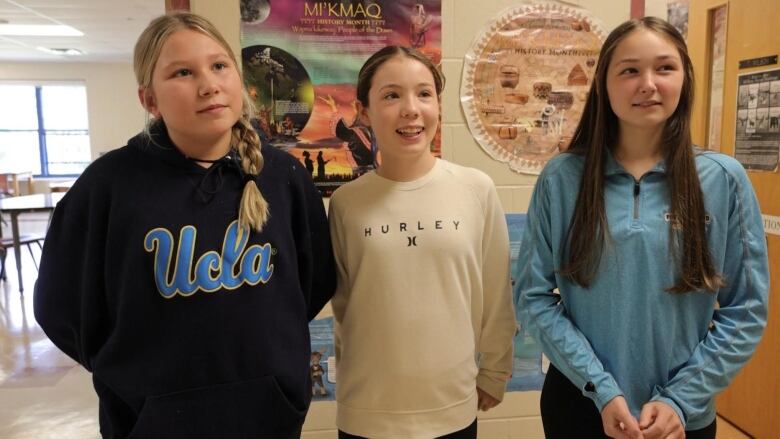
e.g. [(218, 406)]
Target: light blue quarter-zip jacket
[(625, 335)]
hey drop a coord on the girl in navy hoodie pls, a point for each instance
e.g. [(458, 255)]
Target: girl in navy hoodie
[(183, 268)]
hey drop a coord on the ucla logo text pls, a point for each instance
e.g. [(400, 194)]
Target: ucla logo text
[(234, 266)]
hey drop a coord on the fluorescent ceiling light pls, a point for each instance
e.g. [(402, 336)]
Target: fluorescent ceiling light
[(62, 51), (39, 30)]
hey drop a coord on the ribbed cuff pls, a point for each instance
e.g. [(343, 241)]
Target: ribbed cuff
[(494, 387), (603, 398)]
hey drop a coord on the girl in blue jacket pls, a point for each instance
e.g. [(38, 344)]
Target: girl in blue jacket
[(657, 251)]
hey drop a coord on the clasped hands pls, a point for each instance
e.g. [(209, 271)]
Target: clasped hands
[(656, 421)]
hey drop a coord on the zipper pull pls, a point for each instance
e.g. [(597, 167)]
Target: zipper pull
[(636, 200)]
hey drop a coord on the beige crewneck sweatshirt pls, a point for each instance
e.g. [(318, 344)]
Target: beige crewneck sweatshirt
[(423, 307)]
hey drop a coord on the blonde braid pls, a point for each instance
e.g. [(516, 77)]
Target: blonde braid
[(253, 211)]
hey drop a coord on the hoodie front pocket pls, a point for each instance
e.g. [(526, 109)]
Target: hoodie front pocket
[(253, 409)]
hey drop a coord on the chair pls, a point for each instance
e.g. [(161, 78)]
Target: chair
[(5, 188), (6, 244)]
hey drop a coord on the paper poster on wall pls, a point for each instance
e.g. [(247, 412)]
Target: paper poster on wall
[(300, 64), (525, 81), (677, 15), (323, 360), (527, 364), (757, 144)]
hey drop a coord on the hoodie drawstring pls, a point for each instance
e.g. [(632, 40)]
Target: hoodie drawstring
[(230, 161)]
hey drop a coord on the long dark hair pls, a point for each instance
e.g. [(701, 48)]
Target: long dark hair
[(598, 130)]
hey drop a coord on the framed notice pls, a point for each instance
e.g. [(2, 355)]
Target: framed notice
[(526, 79), (757, 144)]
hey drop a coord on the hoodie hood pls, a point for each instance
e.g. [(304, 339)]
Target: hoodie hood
[(208, 181)]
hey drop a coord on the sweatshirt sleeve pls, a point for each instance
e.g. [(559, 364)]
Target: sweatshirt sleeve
[(340, 256), (542, 314), (498, 317), (739, 321), (315, 254), (69, 299)]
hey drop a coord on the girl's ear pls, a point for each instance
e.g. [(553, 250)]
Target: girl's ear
[(147, 101), (362, 114)]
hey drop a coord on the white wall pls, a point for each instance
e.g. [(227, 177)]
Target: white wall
[(656, 8), (518, 415), (461, 22), (115, 115)]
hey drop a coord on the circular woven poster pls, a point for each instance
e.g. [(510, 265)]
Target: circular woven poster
[(525, 81)]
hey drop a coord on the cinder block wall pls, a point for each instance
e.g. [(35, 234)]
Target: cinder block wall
[(518, 416), (462, 20)]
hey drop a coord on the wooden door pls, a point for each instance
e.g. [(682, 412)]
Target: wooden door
[(752, 402)]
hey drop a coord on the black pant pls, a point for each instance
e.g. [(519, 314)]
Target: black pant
[(469, 432), (567, 413)]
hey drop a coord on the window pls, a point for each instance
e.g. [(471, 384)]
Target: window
[(44, 128)]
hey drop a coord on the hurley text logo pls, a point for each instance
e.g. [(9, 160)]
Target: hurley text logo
[(411, 229)]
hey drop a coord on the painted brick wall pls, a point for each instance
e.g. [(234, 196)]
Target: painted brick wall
[(518, 416)]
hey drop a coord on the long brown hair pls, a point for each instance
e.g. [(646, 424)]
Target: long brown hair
[(253, 210), (598, 130)]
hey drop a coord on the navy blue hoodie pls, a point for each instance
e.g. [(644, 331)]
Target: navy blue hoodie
[(190, 326)]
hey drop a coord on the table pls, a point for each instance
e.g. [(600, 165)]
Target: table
[(15, 206), (5, 173), (62, 186)]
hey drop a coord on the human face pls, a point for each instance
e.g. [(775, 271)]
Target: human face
[(644, 80), (196, 90), (403, 111)]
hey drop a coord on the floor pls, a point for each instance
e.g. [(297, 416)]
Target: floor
[(45, 394)]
